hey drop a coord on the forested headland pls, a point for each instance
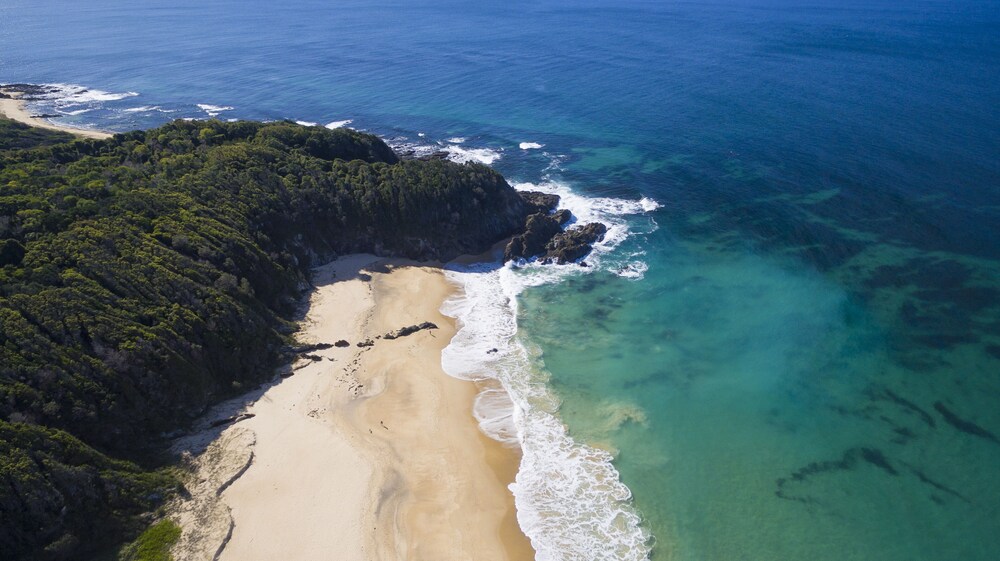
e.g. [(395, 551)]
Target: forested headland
[(146, 276)]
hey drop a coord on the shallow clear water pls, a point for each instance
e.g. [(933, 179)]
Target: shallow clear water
[(796, 356)]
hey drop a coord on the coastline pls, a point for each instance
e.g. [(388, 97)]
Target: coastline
[(14, 108), (365, 453)]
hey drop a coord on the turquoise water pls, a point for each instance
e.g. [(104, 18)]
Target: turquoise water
[(795, 355)]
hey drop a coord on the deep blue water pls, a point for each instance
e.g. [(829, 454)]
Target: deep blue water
[(809, 365)]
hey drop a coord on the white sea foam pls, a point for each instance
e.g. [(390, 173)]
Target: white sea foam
[(465, 155), (530, 145), (72, 94), (338, 124), (76, 111), (402, 145), (495, 412), (306, 123), (149, 109), (421, 134), (72, 99), (456, 140), (648, 204), (555, 162), (635, 270), (570, 501), (213, 110), (87, 96)]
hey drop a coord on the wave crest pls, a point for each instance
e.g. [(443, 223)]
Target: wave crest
[(214, 110)]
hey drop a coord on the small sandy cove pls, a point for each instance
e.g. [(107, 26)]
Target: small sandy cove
[(363, 453), (14, 108)]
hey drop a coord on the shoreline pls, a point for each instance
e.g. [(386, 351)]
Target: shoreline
[(15, 109), (362, 453)]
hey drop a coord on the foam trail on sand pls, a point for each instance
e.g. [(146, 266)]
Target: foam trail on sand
[(570, 501)]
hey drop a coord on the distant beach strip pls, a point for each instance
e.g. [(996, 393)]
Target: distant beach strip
[(13, 106)]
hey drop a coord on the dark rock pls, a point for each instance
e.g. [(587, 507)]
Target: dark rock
[(302, 349), (342, 343), (410, 330), (314, 358), (30, 91), (233, 419), (493, 350), (366, 343), (562, 216), (540, 202), (538, 231), (438, 155), (45, 116), (568, 246)]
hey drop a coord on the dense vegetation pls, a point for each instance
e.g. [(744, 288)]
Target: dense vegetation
[(14, 135), (144, 276)]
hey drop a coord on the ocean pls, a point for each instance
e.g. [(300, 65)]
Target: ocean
[(788, 346)]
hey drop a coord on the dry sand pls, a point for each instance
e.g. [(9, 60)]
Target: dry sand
[(368, 453), (14, 108)]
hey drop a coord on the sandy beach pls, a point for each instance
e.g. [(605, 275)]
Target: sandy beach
[(14, 108), (363, 453)]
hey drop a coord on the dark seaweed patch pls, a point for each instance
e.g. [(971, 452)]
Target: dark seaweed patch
[(599, 314), (876, 458), (943, 341), (906, 404), (904, 435), (848, 461), (939, 486), (965, 299), (967, 427)]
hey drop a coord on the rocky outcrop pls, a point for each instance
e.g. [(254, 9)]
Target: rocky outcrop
[(303, 349), (538, 230), (409, 330), (568, 246), (540, 202), (29, 91), (438, 155), (545, 238)]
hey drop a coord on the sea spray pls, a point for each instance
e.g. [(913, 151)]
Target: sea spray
[(570, 501)]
